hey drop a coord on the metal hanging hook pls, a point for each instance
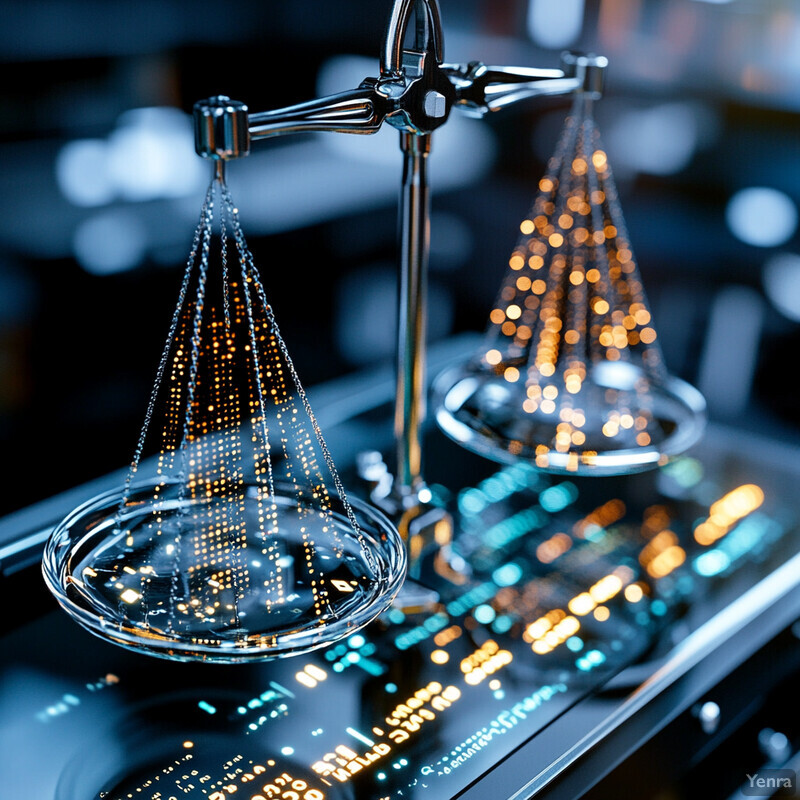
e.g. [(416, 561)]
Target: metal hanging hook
[(221, 128), (429, 33)]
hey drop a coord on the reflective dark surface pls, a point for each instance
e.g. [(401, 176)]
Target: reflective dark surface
[(569, 583)]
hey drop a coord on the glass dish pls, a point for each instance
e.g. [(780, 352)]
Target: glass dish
[(150, 578), (488, 415)]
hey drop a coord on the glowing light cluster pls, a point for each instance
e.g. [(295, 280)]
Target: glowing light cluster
[(448, 635), (600, 592), (311, 676), (593, 523), (662, 554), (554, 628), (283, 786), (727, 511), (550, 549), (485, 661), (550, 631), (405, 721)]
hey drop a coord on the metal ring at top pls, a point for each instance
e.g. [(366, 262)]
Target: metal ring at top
[(589, 69), (429, 35)]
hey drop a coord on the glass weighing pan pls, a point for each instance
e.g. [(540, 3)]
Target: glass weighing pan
[(123, 577)]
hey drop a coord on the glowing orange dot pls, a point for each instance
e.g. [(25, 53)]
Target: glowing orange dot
[(553, 324), (511, 374), (593, 275), (610, 429), (527, 226), (576, 278), (516, 261), (633, 593), (601, 613), (497, 316), (556, 240), (601, 306), (535, 262), (494, 357), (648, 335)]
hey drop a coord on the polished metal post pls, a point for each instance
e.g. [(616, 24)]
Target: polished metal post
[(414, 240)]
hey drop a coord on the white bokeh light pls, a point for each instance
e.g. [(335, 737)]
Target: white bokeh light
[(151, 155), (82, 173), (555, 24), (148, 156), (656, 141), (110, 242), (781, 280), (762, 216)]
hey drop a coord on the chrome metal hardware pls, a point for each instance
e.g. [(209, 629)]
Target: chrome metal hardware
[(415, 91)]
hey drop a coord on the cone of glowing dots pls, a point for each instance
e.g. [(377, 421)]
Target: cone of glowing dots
[(570, 375), (232, 538)]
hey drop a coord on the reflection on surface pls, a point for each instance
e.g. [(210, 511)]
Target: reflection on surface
[(570, 581)]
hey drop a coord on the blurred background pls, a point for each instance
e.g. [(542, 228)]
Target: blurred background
[(101, 191)]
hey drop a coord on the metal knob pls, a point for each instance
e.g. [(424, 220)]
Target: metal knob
[(709, 715), (589, 69), (221, 128)]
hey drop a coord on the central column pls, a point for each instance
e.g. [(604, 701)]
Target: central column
[(414, 240)]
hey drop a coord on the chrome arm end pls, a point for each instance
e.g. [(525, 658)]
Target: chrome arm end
[(588, 69), (221, 128), (481, 89)]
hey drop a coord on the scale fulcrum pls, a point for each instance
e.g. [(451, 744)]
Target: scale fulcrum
[(232, 538)]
